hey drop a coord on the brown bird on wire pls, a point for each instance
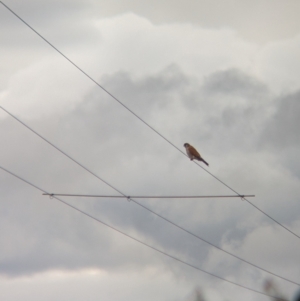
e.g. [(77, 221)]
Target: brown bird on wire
[(193, 154)]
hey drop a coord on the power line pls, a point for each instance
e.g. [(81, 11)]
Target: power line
[(270, 217), (141, 205), (143, 121), (139, 241), (153, 130), (149, 196)]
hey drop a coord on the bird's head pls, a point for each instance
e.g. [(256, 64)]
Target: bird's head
[(186, 145)]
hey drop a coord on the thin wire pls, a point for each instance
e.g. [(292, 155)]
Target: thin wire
[(215, 246), (148, 196), (139, 241), (270, 217), (148, 125), (61, 151), (143, 206)]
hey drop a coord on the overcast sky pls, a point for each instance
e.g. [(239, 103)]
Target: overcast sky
[(220, 75)]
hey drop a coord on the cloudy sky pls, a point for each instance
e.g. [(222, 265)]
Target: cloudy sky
[(221, 75)]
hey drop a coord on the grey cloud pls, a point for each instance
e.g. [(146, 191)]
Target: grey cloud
[(225, 117), (63, 24), (163, 88), (105, 137), (282, 130), (234, 82), (47, 10), (232, 105), (281, 134), (100, 129), (44, 17)]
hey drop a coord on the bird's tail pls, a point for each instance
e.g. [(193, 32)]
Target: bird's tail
[(204, 161)]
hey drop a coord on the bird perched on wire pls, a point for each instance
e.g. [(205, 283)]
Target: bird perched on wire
[(193, 154)]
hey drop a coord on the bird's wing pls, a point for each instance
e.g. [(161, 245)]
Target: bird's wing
[(194, 152)]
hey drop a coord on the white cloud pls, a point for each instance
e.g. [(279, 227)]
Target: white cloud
[(277, 64), (44, 88), (96, 285), (134, 44)]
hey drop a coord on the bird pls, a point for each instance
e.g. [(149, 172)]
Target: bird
[(193, 154)]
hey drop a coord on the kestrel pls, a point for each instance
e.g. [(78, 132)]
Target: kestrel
[(193, 154)]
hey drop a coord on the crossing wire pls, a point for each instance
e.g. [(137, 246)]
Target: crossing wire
[(148, 196), (141, 242), (143, 121), (139, 204)]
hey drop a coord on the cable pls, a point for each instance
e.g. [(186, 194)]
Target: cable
[(147, 124), (139, 241), (148, 196), (270, 217), (139, 204)]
